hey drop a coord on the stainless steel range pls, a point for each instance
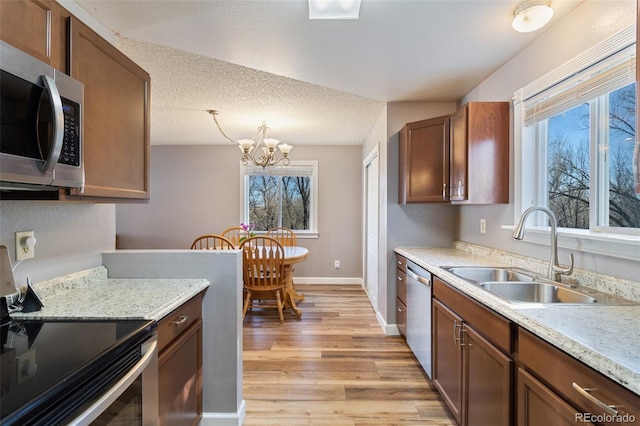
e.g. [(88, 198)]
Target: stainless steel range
[(78, 372)]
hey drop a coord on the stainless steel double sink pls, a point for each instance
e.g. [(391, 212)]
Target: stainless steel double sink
[(520, 285)]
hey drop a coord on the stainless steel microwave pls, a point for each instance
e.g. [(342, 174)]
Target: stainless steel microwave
[(41, 133)]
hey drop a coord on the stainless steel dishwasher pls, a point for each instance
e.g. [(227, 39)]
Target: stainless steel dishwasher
[(419, 314)]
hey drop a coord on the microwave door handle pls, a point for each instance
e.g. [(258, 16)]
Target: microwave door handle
[(58, 125)]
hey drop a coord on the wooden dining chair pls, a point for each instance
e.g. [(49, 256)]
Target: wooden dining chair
[(234, 234), (263, 273), (212, 242), (284, 236)]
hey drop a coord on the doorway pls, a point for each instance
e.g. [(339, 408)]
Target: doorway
[(372, 202)]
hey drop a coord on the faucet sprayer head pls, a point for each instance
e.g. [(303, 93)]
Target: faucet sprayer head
[(518, 232)]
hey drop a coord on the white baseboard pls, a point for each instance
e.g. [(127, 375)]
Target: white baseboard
[(224, 419), (328, 280), (389, 329)]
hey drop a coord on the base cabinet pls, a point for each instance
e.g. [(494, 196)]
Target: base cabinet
[(473, 375), (539, 405), (401, 294), (447, 357), (486, 381), (556, 385), (180, 365)]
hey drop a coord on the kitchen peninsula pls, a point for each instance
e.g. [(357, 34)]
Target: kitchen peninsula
[(176, 304)]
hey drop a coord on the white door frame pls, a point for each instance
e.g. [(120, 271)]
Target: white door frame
[(371, 287)]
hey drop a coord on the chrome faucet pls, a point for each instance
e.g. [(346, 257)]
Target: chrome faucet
[(555, 270)]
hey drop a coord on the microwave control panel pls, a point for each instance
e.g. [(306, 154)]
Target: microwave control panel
[(70, 153)]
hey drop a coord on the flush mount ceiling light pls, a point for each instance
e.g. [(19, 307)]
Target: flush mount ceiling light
[(334, 9), (532, 15), (265, 151)]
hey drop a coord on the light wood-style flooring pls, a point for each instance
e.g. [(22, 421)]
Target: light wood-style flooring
[(334, 366)]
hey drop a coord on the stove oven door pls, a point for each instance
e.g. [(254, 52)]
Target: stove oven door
[(133, 400)]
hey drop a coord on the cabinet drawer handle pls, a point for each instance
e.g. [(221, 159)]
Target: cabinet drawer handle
[(400, 262), (462, 343), (181, 319), (456, 333), (608, 409), (400, 309), (399, 278), (444, 191)]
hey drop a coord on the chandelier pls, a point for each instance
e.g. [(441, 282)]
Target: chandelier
[(262, 153)]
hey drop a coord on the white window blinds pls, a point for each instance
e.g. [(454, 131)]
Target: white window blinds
[(610, 74), (291, 170)]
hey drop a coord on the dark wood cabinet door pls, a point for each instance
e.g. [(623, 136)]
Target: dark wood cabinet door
[(116, 117), (487, 381), (538, 405), (180, 379), (480, 153), (458, 155), (34, 27), (423, 169), (401, 316), (447, 357)]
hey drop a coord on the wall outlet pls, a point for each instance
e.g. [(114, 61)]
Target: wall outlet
[(336, 264), (483, 226), (22, 249)]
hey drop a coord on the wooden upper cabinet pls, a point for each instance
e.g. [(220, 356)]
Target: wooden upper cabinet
[(116, 117), (34, 26), (479, 154), (423, 169)]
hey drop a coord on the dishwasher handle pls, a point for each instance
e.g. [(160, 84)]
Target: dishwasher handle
[(413, 275)]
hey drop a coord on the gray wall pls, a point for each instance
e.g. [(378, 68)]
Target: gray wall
[(590, 23), (196, 190), (410, 224), (70, 236)]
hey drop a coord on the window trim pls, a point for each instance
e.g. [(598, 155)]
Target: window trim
[(313, 220), (602, 241)]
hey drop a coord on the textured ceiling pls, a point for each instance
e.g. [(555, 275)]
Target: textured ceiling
[(184, 85), (313, 82)]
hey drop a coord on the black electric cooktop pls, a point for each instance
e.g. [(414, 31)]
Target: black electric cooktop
[(45, 364)]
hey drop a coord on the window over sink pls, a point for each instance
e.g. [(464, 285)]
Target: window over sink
[(576, 148), (281, 196)]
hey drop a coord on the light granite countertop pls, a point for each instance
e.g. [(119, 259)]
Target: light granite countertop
[(603, 337), (91, 295)]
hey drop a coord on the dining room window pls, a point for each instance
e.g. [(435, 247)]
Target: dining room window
[(281, 196)]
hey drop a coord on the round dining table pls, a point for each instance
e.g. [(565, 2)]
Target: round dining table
[(292, 255)]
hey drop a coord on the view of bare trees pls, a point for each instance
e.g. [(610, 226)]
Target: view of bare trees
[(279, 201), (569, 167)]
